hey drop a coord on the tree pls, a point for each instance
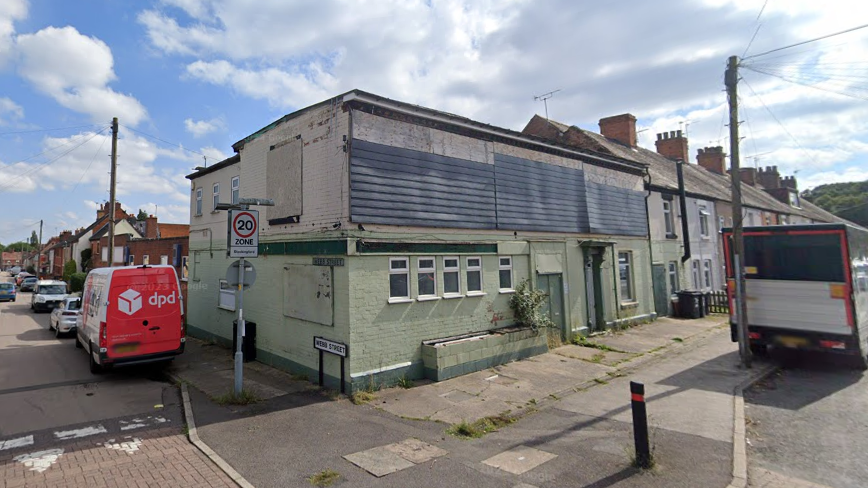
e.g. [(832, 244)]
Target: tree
[(69, 269), (846, 200), (86, 255), (2, 248), (20, 246), (34, 239), (76, 282), (142, 215)]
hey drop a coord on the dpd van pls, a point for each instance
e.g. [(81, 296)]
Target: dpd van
[(131, 315)]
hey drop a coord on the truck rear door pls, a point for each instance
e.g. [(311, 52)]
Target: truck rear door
[(144, 313)]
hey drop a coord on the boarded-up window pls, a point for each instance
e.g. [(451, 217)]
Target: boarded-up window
[(308, 293), (283, 181)]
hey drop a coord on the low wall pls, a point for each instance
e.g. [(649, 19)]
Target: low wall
[(451, 357)]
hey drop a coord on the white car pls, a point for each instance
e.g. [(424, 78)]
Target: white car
[(64, 318), (47, 294)]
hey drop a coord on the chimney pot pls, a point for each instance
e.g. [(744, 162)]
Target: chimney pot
[(678, 132), (673, 147), (672, 134), (621, 128), (659, 136)]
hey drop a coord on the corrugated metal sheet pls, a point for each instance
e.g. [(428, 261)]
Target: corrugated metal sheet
[(537, 196), (397, 186), (617, 211)]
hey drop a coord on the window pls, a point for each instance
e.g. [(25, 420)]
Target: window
[(505, 269), (794, 199), (451, 278), (703, 222), (426, 278), (750, 219), (399, 280), (146, 260), (226, 299), (236, 188), (474, 276), (706, 272), (625, 268), (131, 259), (198, 201), (164, 260), (216, 195), (185, 269), (694, 265), (673, 277), (668, 221)]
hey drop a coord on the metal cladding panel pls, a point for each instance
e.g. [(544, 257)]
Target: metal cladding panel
[(616, 211), (796, 305), (535, 196), (397, 186), (283, 174)]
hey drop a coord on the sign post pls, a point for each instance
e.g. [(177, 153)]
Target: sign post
[(337, 348), (243, 243)]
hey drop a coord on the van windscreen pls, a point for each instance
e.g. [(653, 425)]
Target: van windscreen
[(52, 289)]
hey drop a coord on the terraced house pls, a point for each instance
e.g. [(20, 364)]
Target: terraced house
[(402, 232)]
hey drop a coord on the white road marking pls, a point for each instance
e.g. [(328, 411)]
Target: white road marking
[(39, 461), (139, 423), (130, 446), (79, 433), (19, 442)]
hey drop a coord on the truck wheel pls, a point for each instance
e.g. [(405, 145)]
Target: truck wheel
[(759, 350), (95, 368)]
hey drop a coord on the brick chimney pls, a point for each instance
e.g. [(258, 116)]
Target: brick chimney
[(713, 159), (769, 177), (672, 145), (748, 176), (101, 211), (151, 227), (621, 128), (789, 182)]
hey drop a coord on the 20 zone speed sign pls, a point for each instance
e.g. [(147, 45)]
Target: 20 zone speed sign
[(243, 233)]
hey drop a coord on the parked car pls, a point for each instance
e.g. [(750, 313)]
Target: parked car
[(47, 294), (28, 284), (7, 292), (131, 315), (20, 277), (14, 270), (64, 316)]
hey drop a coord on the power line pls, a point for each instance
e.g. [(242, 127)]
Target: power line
[(851, 95), (759, 25), (70, 141), (164, 141), (85, 172), (49, 130), (807, 42)]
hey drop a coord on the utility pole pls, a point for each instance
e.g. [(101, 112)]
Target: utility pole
[(111, 212), (731, 82), (39, 255)]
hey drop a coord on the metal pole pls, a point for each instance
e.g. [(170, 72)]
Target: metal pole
[(111, 212), (239, 334), (731, 81), (39, 256), (640, 425)]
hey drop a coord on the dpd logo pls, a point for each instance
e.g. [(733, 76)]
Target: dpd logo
[(130, 302), (158, 300)]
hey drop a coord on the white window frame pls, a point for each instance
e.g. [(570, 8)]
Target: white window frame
[(672, 270), (215, 195), (185, 270), (631, 287), (146, 259), (452, 269), (164, 260), (707, 275), (226, 296), (694, 267), (505, 267), (199, 201), (420, 270), (235, 186), (474, 269), (668, 221), (703, 222), (405, 271), (131, 259)]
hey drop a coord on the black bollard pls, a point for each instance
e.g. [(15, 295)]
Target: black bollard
[(640, 425)]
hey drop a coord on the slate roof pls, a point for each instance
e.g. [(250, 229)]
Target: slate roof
[(104, 229)]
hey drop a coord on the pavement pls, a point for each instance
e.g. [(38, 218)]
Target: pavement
[(806, 424), (565, 418)]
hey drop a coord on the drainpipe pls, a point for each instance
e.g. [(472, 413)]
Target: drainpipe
[(682, 197)]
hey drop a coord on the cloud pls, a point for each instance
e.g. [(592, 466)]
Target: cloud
[(15, 178), (826, 177), (75, 70), (200, 128), (12, 10), (168, 214), (10, 111)]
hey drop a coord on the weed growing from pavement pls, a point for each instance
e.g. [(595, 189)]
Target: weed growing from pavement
[(677, 339), (583, 341), (596, 358), (481, 427), (361, 397), (601, 381), (245, 398), (405, 383), (324, 478), (652, 441), (532, 401), (299, 377)]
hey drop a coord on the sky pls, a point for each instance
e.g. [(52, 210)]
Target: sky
[(188, 78)]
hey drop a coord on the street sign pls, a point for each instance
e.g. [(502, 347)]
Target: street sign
[(233, 274), (333, 347), (243, 240)]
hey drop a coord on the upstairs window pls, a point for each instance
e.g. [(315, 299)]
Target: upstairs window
[(668, 220), (236, 189), (216, 195), (703, 222), (198, 201)]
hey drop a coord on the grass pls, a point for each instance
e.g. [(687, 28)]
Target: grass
[(584, 342), (601, 381), (324, 478), (361, 397), (245, 398), (677, 339), (405, 383), (532, 401), (299, 377), (186, 430), (596, 358), (481, 427)]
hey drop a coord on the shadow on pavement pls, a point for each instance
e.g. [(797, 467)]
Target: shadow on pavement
[(828, 374), (703, 375)]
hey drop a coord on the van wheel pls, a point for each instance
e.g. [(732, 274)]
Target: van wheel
[(95, 368)]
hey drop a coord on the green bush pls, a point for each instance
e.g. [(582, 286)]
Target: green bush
[(30, 269), (76, 282), (86, 255), (69, 269), (526, 305)]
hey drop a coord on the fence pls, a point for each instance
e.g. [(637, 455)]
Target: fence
[(717, 302)]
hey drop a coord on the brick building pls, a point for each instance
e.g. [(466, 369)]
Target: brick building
[(10, 259)]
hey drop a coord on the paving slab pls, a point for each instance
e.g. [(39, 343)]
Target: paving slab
[(519, 460), (416, 451), (594, 355), (379, 461)]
